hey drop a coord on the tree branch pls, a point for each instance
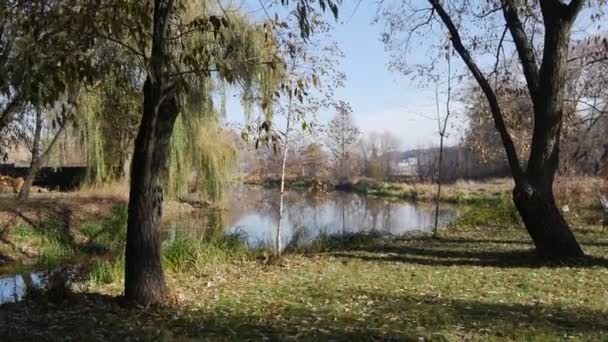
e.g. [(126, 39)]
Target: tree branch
[(524, 48), (486, 88), (574, 8)]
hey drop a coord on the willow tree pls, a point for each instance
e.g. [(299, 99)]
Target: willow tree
[(220, 47), (47, 55), (178, 42), (199, 147), (544, 70)]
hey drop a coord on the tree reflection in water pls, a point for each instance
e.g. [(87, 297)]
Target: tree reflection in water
[(253, 213)]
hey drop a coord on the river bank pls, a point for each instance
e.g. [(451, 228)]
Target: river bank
[(572, 191), (51, 229)]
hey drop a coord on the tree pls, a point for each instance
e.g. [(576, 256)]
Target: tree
[(533, 192), (314, 159), (588, 96), (306, 87), (342, 136), (182, 53), (166, 79), (442, 125), (61, 117), (47, 50), (377, 153)]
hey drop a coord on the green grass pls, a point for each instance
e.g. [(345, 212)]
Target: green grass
[(107, 271), (470, 283), (478, 280), (48, 245), (45, 246), (199, 255), (500, 212)]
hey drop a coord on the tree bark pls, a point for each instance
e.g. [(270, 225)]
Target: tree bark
[(544, 222), (533, 194), (144, 278)]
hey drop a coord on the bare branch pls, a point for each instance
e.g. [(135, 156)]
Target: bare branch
[(522, 43), (486, 88)]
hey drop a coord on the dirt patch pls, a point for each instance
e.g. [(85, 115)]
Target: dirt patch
[(69, 208)]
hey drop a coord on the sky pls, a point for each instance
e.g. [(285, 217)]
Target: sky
[(382, 100)]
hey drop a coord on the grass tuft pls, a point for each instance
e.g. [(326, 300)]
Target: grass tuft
[(199, 254)]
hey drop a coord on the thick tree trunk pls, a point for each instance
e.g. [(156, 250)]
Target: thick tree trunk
[(144, 279), (544, 222), (533, 193)]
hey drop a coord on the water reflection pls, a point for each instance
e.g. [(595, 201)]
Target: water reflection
[(15, 288), (253, 213)]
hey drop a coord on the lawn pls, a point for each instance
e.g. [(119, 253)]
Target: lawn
[(478, 280), (468, 284)]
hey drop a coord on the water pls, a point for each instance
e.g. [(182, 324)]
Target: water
[(14, 288), (252, 212)]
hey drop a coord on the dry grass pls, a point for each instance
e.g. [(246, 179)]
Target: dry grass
[(573, 191), (579, 191), (114, 189)]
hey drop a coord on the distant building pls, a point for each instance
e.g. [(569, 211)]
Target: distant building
[(407, 167)]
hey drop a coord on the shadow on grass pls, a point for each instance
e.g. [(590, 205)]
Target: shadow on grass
[(408, 316), (52, 229), (425, 250), (525, 242)]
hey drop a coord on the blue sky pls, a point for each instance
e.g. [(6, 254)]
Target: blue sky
[(382, 100)]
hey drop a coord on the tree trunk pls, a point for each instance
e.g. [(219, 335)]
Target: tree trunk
[(39, 159), (144, 278), (544, 222), (533, 193), (277, 244), (438, 185), (24, 192)]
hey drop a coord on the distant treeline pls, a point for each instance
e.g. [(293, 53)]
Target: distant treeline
[(458, 163)]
